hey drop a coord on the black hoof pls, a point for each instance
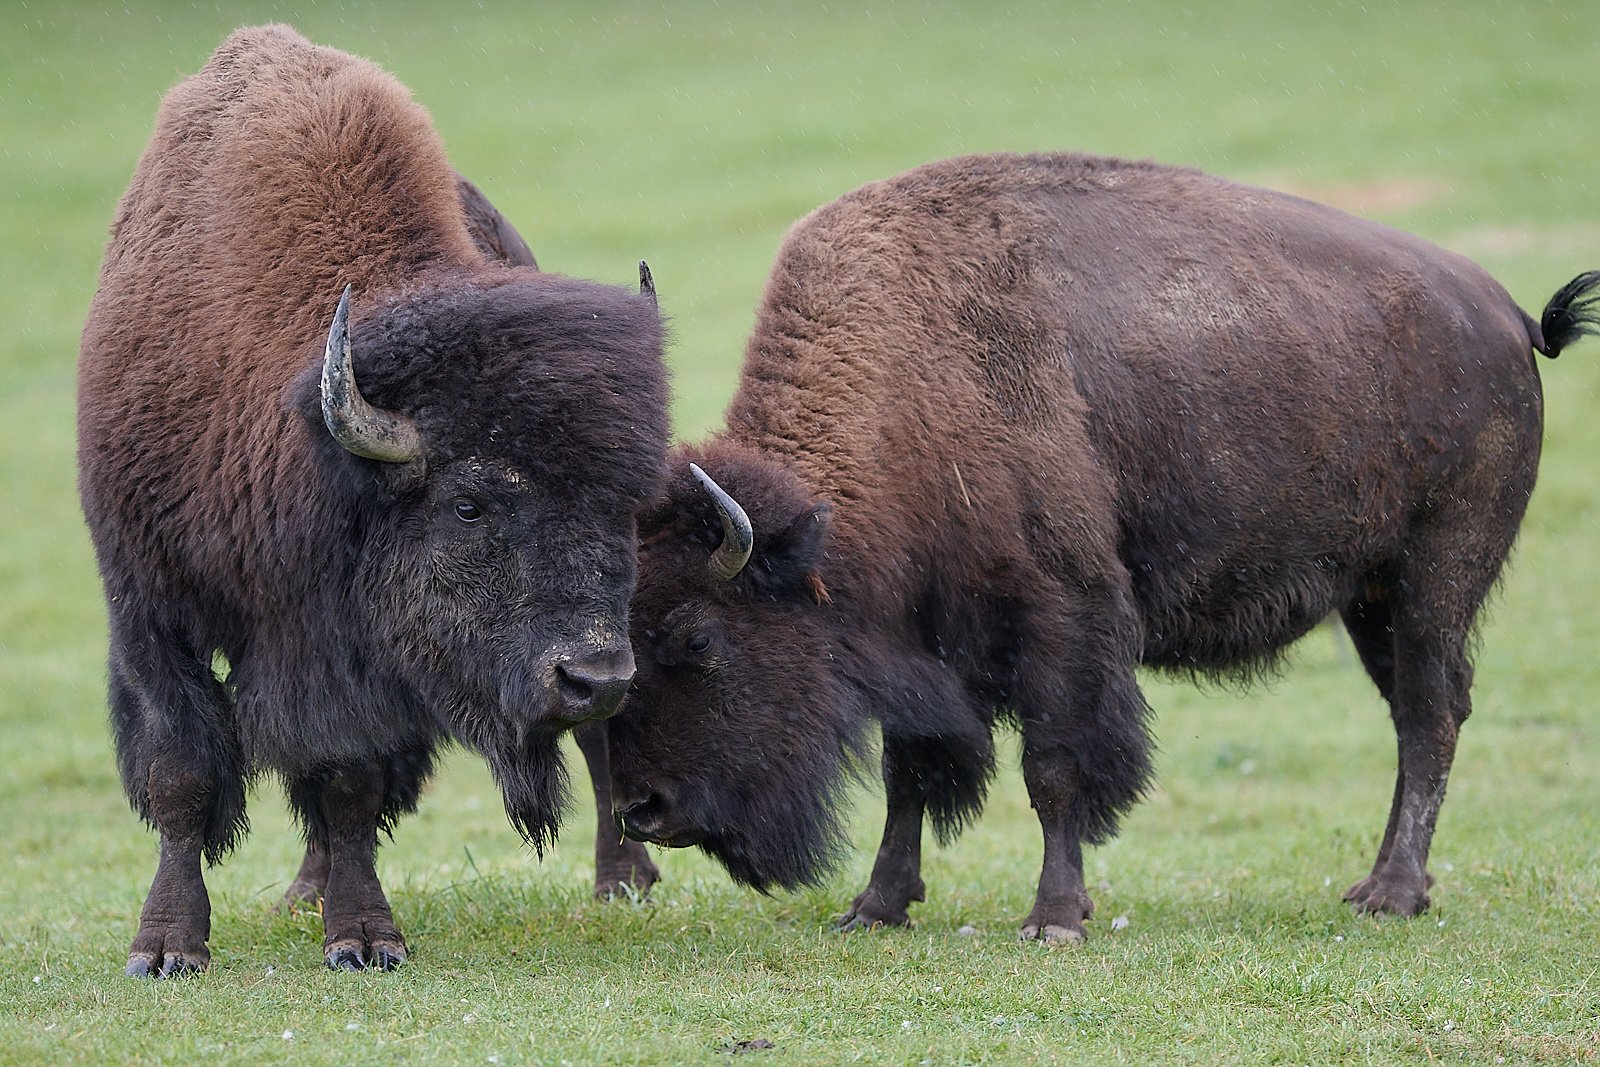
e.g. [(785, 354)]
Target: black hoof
[(379, 957), (179, 967), (143, 965), (387, 959), (346, 959)]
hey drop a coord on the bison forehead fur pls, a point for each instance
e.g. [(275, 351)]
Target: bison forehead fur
[(1008, 427)]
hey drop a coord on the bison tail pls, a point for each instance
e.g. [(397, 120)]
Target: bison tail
[(1571, 313)]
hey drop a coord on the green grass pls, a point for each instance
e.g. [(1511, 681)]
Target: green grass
[(693, 135)]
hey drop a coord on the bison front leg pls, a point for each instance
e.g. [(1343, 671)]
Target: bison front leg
[(620, 864), (897, 873), (1085, 749), (176, 920), (1062, 904), (358, 928)]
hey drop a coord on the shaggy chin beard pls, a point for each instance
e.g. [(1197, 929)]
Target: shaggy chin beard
[(533, 781), (799, 848)]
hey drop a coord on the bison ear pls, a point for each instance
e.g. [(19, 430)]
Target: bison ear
[(786, 564)]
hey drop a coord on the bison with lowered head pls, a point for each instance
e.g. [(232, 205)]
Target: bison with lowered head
[(397, 517), (1009, 427)]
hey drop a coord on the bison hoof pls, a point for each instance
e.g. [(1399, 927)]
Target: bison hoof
[(374, 946), (869, 911), (171, 965), (166, 952), (355, 956), (632, 881), (1053, 934), (1058, 921), (1375, 895), (301, 896)]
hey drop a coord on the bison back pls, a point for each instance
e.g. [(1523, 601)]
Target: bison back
[(1237, 402)]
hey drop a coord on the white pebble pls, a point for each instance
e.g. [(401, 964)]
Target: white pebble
[(288, 1035), (352, 1026), (1449, 1025), (1119, 923), (906, 1025), (1338, 937), (967, 931)]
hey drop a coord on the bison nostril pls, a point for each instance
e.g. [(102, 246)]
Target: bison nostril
[(592, 687), (639, 820)]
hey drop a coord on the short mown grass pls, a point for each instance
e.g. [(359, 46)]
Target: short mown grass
[(692, 136)]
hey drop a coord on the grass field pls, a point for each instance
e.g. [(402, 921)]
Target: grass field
[(692, 136)]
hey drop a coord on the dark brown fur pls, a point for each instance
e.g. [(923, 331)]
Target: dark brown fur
[(1031, 421), (363, 621)]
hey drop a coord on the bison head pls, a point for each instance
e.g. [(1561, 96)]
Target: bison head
[(490, 443), (739, 731)]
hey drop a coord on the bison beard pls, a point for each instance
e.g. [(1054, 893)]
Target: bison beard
[(401, 521), (1009, 427)]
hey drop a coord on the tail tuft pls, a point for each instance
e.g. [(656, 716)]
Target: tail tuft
[(1571, 313)]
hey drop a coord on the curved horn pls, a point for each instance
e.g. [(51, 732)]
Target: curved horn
[(647, 284), (738, 539), (355, 424)]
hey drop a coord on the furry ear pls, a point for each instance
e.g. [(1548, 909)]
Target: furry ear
[(786, 564)]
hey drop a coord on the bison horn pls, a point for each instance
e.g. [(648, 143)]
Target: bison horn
[(738, 539), (647, 284), (354, 423)]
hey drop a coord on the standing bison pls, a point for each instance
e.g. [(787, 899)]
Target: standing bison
[(327, 550), (1009, 427)]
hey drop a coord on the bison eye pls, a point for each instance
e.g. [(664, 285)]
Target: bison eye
[(699, 643), (467, 511)]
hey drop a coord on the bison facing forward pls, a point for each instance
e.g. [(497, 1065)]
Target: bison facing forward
[(416, 526), (1009, 427)]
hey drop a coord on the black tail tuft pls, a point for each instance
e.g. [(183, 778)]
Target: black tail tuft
[(1571, 313)]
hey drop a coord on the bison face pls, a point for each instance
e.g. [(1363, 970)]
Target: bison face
[(507, 601), (738, 731), (503, 437), (506, 604)]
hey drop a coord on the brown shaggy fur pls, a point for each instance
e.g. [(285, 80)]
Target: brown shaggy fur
[(364, 621), (1032, 421)]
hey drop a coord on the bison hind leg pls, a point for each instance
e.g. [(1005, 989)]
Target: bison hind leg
[(1411, 634)]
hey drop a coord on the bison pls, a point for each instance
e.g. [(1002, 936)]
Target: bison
[(326, 550), (1009, 427)]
